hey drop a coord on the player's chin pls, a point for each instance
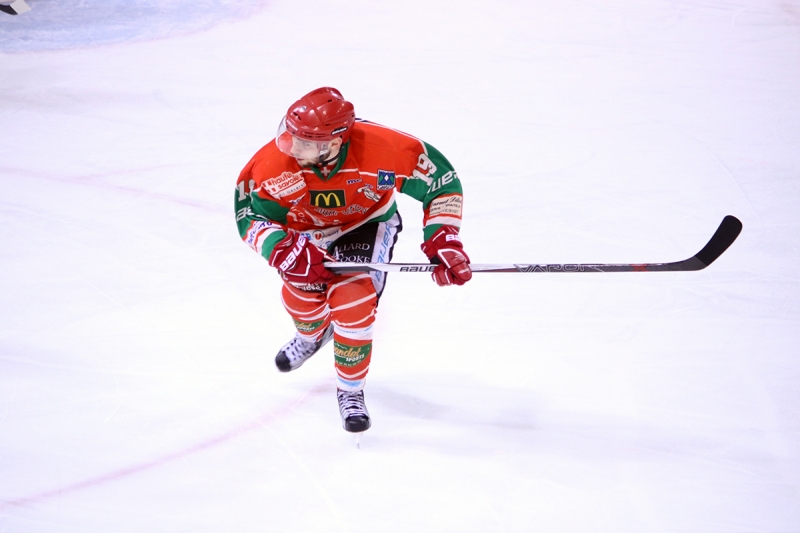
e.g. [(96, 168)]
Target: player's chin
[(305, 162)]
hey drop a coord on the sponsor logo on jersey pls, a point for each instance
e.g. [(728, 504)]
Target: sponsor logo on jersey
[(367, 191), (285, 185), (357, 180), (349, 210), (353, 246), (255, 230), (385, 180), (353, 259), (446, 206), (328, 198)]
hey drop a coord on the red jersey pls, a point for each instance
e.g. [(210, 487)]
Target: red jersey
[(274, 194)]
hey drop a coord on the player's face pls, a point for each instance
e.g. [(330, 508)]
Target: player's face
[(308, 153)]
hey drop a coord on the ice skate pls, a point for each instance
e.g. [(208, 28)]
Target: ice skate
[(355, 417), (298, 350)]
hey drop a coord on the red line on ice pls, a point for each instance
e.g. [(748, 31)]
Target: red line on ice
[(260, 422)]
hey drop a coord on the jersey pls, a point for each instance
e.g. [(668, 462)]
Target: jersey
[(359, 188)]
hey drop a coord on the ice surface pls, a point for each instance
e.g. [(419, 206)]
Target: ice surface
[(137, 389), (63, 25)]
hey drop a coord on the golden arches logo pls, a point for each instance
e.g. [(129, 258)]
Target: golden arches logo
[(327, 198)]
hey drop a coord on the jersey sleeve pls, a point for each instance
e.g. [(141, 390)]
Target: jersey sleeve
[(261, 221), (434, 182)]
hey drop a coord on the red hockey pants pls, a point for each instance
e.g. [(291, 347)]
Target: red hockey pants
[(350, 302)]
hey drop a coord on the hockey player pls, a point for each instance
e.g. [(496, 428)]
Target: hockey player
[(323, 190)]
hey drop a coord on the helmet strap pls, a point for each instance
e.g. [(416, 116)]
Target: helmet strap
[(327, 159), (325, 162)]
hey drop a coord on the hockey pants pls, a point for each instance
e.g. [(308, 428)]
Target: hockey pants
[(350, 301)]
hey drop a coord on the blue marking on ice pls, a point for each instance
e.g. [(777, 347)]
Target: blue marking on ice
[(64, 24)]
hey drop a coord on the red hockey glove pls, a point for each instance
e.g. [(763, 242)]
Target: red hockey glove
[(299, 261), (445, 250)]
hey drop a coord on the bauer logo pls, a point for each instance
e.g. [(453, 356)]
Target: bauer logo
[(423, 268), (385, 180), (328, 198)]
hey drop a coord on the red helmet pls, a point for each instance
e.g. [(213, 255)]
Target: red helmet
[(321, 115)]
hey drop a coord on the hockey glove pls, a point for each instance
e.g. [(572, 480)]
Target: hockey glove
[(444, 249), (299, 261)]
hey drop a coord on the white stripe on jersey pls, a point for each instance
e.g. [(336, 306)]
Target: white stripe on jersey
[(449, 221)]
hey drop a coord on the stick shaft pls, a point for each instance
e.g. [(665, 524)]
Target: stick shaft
[(726, 233)]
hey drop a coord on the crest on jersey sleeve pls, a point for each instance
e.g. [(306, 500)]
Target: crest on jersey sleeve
[(385, 180)]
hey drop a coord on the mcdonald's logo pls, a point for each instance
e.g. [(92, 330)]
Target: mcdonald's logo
[(327, 198)]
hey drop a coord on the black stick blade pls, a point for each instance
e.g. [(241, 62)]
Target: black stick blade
[(726, 233)]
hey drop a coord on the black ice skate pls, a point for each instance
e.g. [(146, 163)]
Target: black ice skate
[(355, 417), (295, 352)]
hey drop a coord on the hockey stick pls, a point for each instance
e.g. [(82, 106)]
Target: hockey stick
[(726, 233)]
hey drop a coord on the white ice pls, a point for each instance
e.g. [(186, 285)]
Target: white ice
[(137, 333)]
